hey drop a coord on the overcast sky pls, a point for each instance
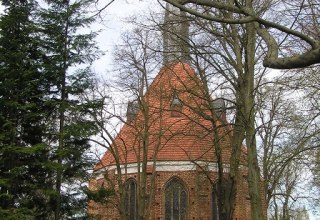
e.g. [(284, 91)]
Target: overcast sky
[(114, 24)]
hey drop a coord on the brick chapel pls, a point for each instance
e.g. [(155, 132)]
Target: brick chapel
[(164, 152)]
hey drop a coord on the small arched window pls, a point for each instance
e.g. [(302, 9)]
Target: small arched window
[(131, 199), (175, 200), (176, 105), (214, 203)]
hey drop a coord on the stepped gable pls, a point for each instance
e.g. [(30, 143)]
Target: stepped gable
[(172, 136)]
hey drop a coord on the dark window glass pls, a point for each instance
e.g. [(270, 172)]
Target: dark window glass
[(176, 106), (175, 201), (131, 199), (215, 213)]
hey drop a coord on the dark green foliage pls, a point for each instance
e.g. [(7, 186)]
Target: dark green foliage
[(16, 214), (23, 153), (66, 48), (44, 124)]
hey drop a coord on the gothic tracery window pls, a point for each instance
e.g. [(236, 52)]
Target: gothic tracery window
[(214, 202), (175, 200), (131, 199)]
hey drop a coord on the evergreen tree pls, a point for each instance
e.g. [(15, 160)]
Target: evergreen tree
[(23, 154), (66, 48), (44, 125)]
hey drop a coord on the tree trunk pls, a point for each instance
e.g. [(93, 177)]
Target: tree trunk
[(62, 109), (253, 167)]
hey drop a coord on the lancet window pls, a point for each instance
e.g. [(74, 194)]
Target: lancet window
[(176, 198), (131, 199)]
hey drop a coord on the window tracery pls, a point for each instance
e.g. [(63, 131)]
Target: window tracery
[(131, 199), (175, 200), (214, 202)]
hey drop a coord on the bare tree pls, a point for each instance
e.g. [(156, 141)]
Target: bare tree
[(142, 130), (236, 65), (246, 29), (285, 125), (229, 54), (281, 25)]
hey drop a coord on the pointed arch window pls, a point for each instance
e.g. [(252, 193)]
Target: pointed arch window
[(176, 198), (214, 202), (131, 199)]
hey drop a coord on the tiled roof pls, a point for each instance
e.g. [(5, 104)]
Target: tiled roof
[(167, 138)]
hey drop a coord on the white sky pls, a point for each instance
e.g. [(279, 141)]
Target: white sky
[(113, 25)]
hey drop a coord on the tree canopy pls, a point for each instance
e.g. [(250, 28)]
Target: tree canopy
[(289, 29)]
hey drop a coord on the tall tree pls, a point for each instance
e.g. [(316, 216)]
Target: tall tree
[(300, 25), (236, 65), (135, 65), (287, 131), (66, 48), (227, 55), (44, 125), (24, 179), (246, 18)]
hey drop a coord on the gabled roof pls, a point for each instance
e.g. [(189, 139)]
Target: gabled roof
[(165, 138)]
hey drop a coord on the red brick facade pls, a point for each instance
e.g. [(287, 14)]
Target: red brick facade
[(199, 197), (182, 146)]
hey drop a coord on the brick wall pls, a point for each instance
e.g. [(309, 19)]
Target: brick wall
[(199, 190), (175, 139)]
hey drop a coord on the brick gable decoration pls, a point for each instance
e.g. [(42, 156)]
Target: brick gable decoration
[(165, 153)]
